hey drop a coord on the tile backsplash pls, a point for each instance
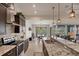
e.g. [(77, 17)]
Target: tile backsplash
[(17, 36)]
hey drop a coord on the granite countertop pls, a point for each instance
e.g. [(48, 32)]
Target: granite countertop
[(57, 49), (6, 48), (69, 44)]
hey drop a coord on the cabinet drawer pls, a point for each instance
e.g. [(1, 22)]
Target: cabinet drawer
[(11, 52)]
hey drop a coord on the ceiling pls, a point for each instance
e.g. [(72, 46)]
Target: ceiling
[(45, 9)]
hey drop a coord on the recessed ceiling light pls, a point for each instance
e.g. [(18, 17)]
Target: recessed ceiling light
[(34, 5), (35, 12)]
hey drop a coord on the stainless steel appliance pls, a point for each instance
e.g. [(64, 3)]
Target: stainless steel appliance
[(6, 41)]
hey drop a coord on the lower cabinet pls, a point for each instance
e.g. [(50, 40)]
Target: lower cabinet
[(26, 44), (12, 52), (20, 48), (45, 50)]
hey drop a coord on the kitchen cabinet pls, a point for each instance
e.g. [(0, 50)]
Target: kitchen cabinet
[(20, 20), (45, 50), (17, 19), (20, 48), (12, 52), (10, 16), (22, 27), (2, 19), (16, 29), (26, 44), (6, 4)]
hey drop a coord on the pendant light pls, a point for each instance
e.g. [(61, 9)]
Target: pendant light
[(53, 14), (59, 20), (72, 13), (53, 21)]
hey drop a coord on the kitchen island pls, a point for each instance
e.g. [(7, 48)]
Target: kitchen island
[(61, 47)]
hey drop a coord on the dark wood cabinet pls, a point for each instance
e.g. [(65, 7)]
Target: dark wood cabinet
[(20, 20), (2, 19), (17, 19), (45, 50), (12, 52), (17, 29), (20, 48), (26, 44), (6, 4)]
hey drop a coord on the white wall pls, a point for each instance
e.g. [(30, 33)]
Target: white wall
[(28, 33)]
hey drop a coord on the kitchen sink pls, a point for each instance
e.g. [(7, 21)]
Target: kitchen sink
[(49, 41)]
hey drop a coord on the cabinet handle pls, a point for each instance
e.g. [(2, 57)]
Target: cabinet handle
[(10, 53), (20, 44)]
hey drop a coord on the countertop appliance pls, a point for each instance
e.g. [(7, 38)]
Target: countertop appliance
[(7, 41)]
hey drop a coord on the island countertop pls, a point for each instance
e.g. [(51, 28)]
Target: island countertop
[(5, 48), (52, 48), (72, 45)]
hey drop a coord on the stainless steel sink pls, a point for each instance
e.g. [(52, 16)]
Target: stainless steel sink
[(49, 41)]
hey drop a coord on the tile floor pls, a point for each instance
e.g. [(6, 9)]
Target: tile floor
[(35, 48)]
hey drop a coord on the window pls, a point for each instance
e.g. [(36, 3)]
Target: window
[(41, 31), (61, 29)]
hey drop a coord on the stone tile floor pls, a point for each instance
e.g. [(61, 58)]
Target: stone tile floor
[(35, 48)]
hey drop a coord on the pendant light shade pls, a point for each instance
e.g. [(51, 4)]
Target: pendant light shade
[(72, 13), (59, 20)]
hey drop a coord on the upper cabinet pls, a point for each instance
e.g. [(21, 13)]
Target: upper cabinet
[(2, 19), (20, 20), (10, 21), (10, 13), (10, 16), (6, 4), (19, 17)]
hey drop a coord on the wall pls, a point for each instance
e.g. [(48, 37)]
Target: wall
[(37, 20), (28, 33)]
